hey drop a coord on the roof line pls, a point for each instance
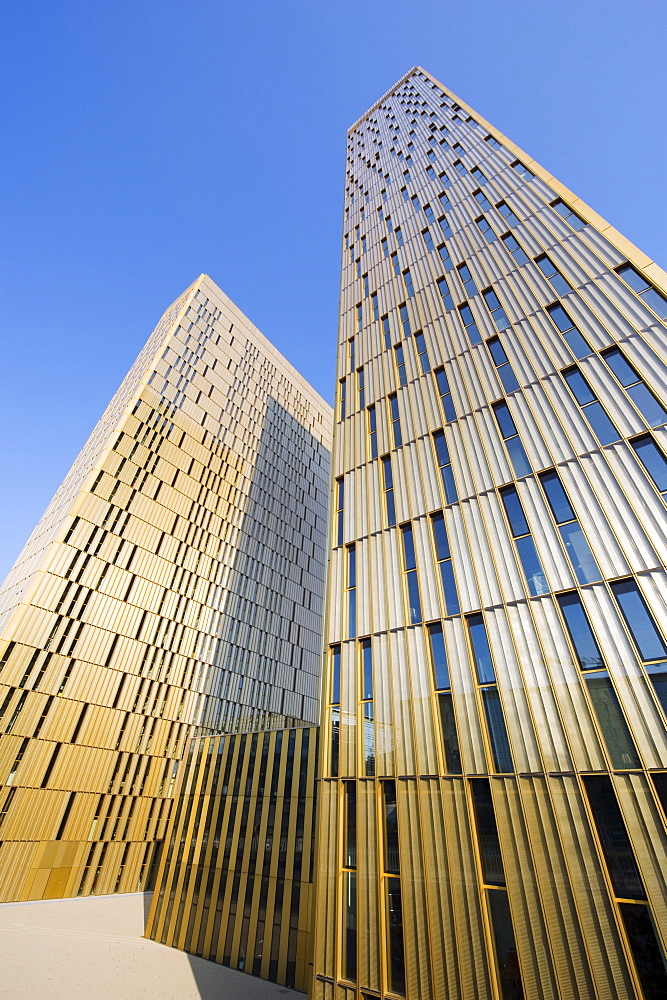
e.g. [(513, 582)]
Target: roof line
[(386, 94)]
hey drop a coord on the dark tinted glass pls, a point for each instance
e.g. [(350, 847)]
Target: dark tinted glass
[(614, 838), (438, 657), (586, 648), (440, 536), (646, 950), (639, 620), (487, 833), (560, 505), (481, 650), (514, 511)]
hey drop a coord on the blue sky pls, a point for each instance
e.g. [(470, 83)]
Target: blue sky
[(147, 141)]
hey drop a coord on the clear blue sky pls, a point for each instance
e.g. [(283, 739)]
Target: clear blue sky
[(145, 141)]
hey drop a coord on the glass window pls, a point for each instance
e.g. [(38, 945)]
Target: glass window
[(422, 353), (352, 591), (653, 460), (444, 558), (340, 504), (500, 744), (646, 951), (444, 201), (438, 658), (554, 277), (579, 551), (335, 675), (566, 213), (481, 650), (410, 569), (522, 171), (507, 214), (445, 466), (518, 254), (366, 669), (469, 324), (399, 358), (612, 722), (385, 247), (616, 846), (497, 312), (445, 394), (428, 241), (361, 392), (485, 229), (342, 399), (493, 142), (467, 279), (648, 294), (407, 278), (395, 420), (478, 175), (592, 409), (349, 957), (493, 872), (445, 258), (515, 449), (405, 321), (445, 293), (503, 367), (372, 432), (482, 200), (639, 620), (585, 646), (649, 407), (386, 331), (388, 484), (376, 308)]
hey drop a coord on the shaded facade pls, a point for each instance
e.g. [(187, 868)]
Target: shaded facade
[(236, 881), (493, 789), (173, 586)]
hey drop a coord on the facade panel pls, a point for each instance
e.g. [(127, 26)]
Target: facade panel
[(173, 586), (494, 690)]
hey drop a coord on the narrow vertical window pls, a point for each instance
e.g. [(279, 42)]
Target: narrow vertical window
[(399, 360), (335, 709), (493, 874), (361, 395), (395, 420), (566, 327), (651, 410), (442, 686), (410, 573), (375, 306), (372, 432), (469, 324), (340, 509), (342, 399), (591, 407), (497, 312), (422, 353), (444, 559), (351, 585), (616, 734), (653, 461), (443, 288), (503, 367), (566, 213), (510, 435), (654, 299), (388, 490), (517, 252), (405, 320), (525, 546), (486, 680), (351, 347), (507, 214), (445, 467), (445, 394), (392, 885), (366, 705), (359, 317), (576, 546), (386, 331), (467, 280)]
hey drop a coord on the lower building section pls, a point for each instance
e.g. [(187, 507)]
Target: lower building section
[(235, 883)]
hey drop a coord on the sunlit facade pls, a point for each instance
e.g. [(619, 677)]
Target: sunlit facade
[(493, 785), (173, 587)]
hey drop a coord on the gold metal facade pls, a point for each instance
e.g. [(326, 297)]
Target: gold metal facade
[(493, 782), (173, 586), (235, 884)]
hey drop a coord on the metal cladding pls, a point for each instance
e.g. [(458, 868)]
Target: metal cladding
[(174, 586), (493, 785)]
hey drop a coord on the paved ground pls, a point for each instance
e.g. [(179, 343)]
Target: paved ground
[(92, 949)]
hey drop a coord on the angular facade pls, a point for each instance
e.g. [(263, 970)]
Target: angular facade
[(493, 787), (236, 880), (173, 586)]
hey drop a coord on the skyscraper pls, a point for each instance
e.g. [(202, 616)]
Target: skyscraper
[(173, 587), (493, 788)]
